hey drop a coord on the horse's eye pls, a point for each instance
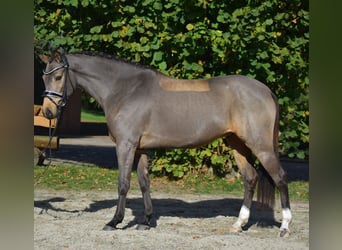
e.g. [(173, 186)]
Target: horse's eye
[(58, 78)]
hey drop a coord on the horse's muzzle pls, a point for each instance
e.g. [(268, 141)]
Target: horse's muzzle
[(49, 109), (48, 113)]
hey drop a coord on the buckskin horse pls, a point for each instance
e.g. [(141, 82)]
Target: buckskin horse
[(146, 109)]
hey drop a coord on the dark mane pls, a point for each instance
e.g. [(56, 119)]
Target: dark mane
[(116, 58)]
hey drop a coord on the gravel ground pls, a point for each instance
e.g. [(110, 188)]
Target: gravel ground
[(74, 219)]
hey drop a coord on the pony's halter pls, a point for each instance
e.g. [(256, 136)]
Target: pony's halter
[(49, 93)]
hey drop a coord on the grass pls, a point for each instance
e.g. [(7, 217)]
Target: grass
[(75, 178), (95, 178), (92, 116)]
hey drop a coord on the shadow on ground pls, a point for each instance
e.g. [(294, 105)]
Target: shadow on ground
[(165, 207)]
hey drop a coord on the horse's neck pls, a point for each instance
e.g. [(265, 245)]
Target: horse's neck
[(91, 76), (103, 79)]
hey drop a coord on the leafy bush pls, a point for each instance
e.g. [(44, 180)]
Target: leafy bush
[(178, 162), (267, 40)]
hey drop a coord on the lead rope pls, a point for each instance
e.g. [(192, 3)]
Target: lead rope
[(49, 143), (51, 135)]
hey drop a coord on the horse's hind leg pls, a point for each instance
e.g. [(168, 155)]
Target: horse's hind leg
[(144, 182), (243, 158), (271, 163)]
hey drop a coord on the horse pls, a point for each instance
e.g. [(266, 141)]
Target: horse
[(146, 109)]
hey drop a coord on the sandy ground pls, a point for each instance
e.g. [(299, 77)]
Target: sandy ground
[(74, 220)]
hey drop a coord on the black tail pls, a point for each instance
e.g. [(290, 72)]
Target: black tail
[(266, 189)]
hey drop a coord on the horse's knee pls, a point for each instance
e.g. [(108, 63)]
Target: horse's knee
[(123, 188), (143, 188)]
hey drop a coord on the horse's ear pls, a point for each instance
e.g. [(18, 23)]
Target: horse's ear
[(58, 57), (44, 58)]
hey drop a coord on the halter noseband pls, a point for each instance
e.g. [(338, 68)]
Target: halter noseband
[(49, 93)]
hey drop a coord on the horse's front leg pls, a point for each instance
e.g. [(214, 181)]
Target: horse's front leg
[(125, 152), (144, 182)]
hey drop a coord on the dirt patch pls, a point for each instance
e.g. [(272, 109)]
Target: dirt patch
[(74, 220)]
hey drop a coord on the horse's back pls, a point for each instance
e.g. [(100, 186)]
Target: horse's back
[(189, 118)]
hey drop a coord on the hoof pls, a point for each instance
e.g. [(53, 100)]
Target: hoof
[(148, 222), (108, 228), (234, 229), (141, 227), (284, 233)]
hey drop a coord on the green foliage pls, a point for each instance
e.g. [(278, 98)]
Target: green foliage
[(267, 40)]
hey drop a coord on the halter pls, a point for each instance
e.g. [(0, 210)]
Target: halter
[(49, 93)]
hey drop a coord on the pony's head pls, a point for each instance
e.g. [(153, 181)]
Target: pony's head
[(55, 78)]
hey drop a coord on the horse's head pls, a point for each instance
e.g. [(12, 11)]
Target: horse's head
[(55, 79)]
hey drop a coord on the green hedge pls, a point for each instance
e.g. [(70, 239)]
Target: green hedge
[(267, 40)]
